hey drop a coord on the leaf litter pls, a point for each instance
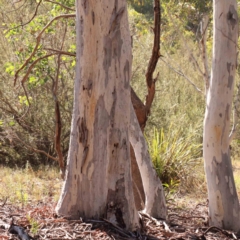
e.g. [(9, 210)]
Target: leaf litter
[(39, 221)]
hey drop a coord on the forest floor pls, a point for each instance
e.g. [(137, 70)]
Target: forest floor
[(28, 199), (39, 220)]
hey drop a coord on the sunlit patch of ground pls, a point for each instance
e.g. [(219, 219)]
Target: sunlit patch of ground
[(23, 186)]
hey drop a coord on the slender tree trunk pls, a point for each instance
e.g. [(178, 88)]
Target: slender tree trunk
[(143, 110), (98, 177), (223, 200), (155, 204)]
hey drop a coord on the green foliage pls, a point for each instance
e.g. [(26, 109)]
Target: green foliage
[(10, 69), (139, 24), (28, 123), (22, 197), (175, 156), (203, 6), (142, 6), (176, 148), (34, 225)]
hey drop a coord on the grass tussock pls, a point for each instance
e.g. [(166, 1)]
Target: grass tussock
[(176, 158)]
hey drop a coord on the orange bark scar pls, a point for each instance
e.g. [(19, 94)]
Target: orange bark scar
[(218, 133)]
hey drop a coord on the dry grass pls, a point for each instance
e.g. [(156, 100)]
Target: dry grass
[(198, 194), (22, 186)]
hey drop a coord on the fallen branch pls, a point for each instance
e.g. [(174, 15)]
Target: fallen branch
[(120, 230), (219, 230)]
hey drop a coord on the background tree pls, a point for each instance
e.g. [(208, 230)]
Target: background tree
[(222, 195)]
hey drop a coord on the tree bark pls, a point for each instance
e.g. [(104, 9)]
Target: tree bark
[(143, 110), (138, 191), (155, 204), (223, 200), (140, 109), (98, 177)]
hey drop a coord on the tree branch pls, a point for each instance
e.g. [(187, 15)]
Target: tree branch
[(58, 124), (36, 150), (28, 72), (38, 42), (154, 58), (61, 52), (34, 15), (179, 72), (63, 6), (33, 64)]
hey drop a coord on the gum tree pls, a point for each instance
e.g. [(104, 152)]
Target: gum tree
[(98, 178), (222, 195)]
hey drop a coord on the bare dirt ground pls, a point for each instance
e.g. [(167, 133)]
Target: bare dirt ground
[(40, 222)]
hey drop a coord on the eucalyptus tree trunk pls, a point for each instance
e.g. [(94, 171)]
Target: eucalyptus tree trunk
[(142, 191), (98, 176), (155, 204), (222, 195)]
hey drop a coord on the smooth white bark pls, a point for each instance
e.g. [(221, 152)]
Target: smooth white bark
[(155, 204), (223, 200), (98, 178)]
